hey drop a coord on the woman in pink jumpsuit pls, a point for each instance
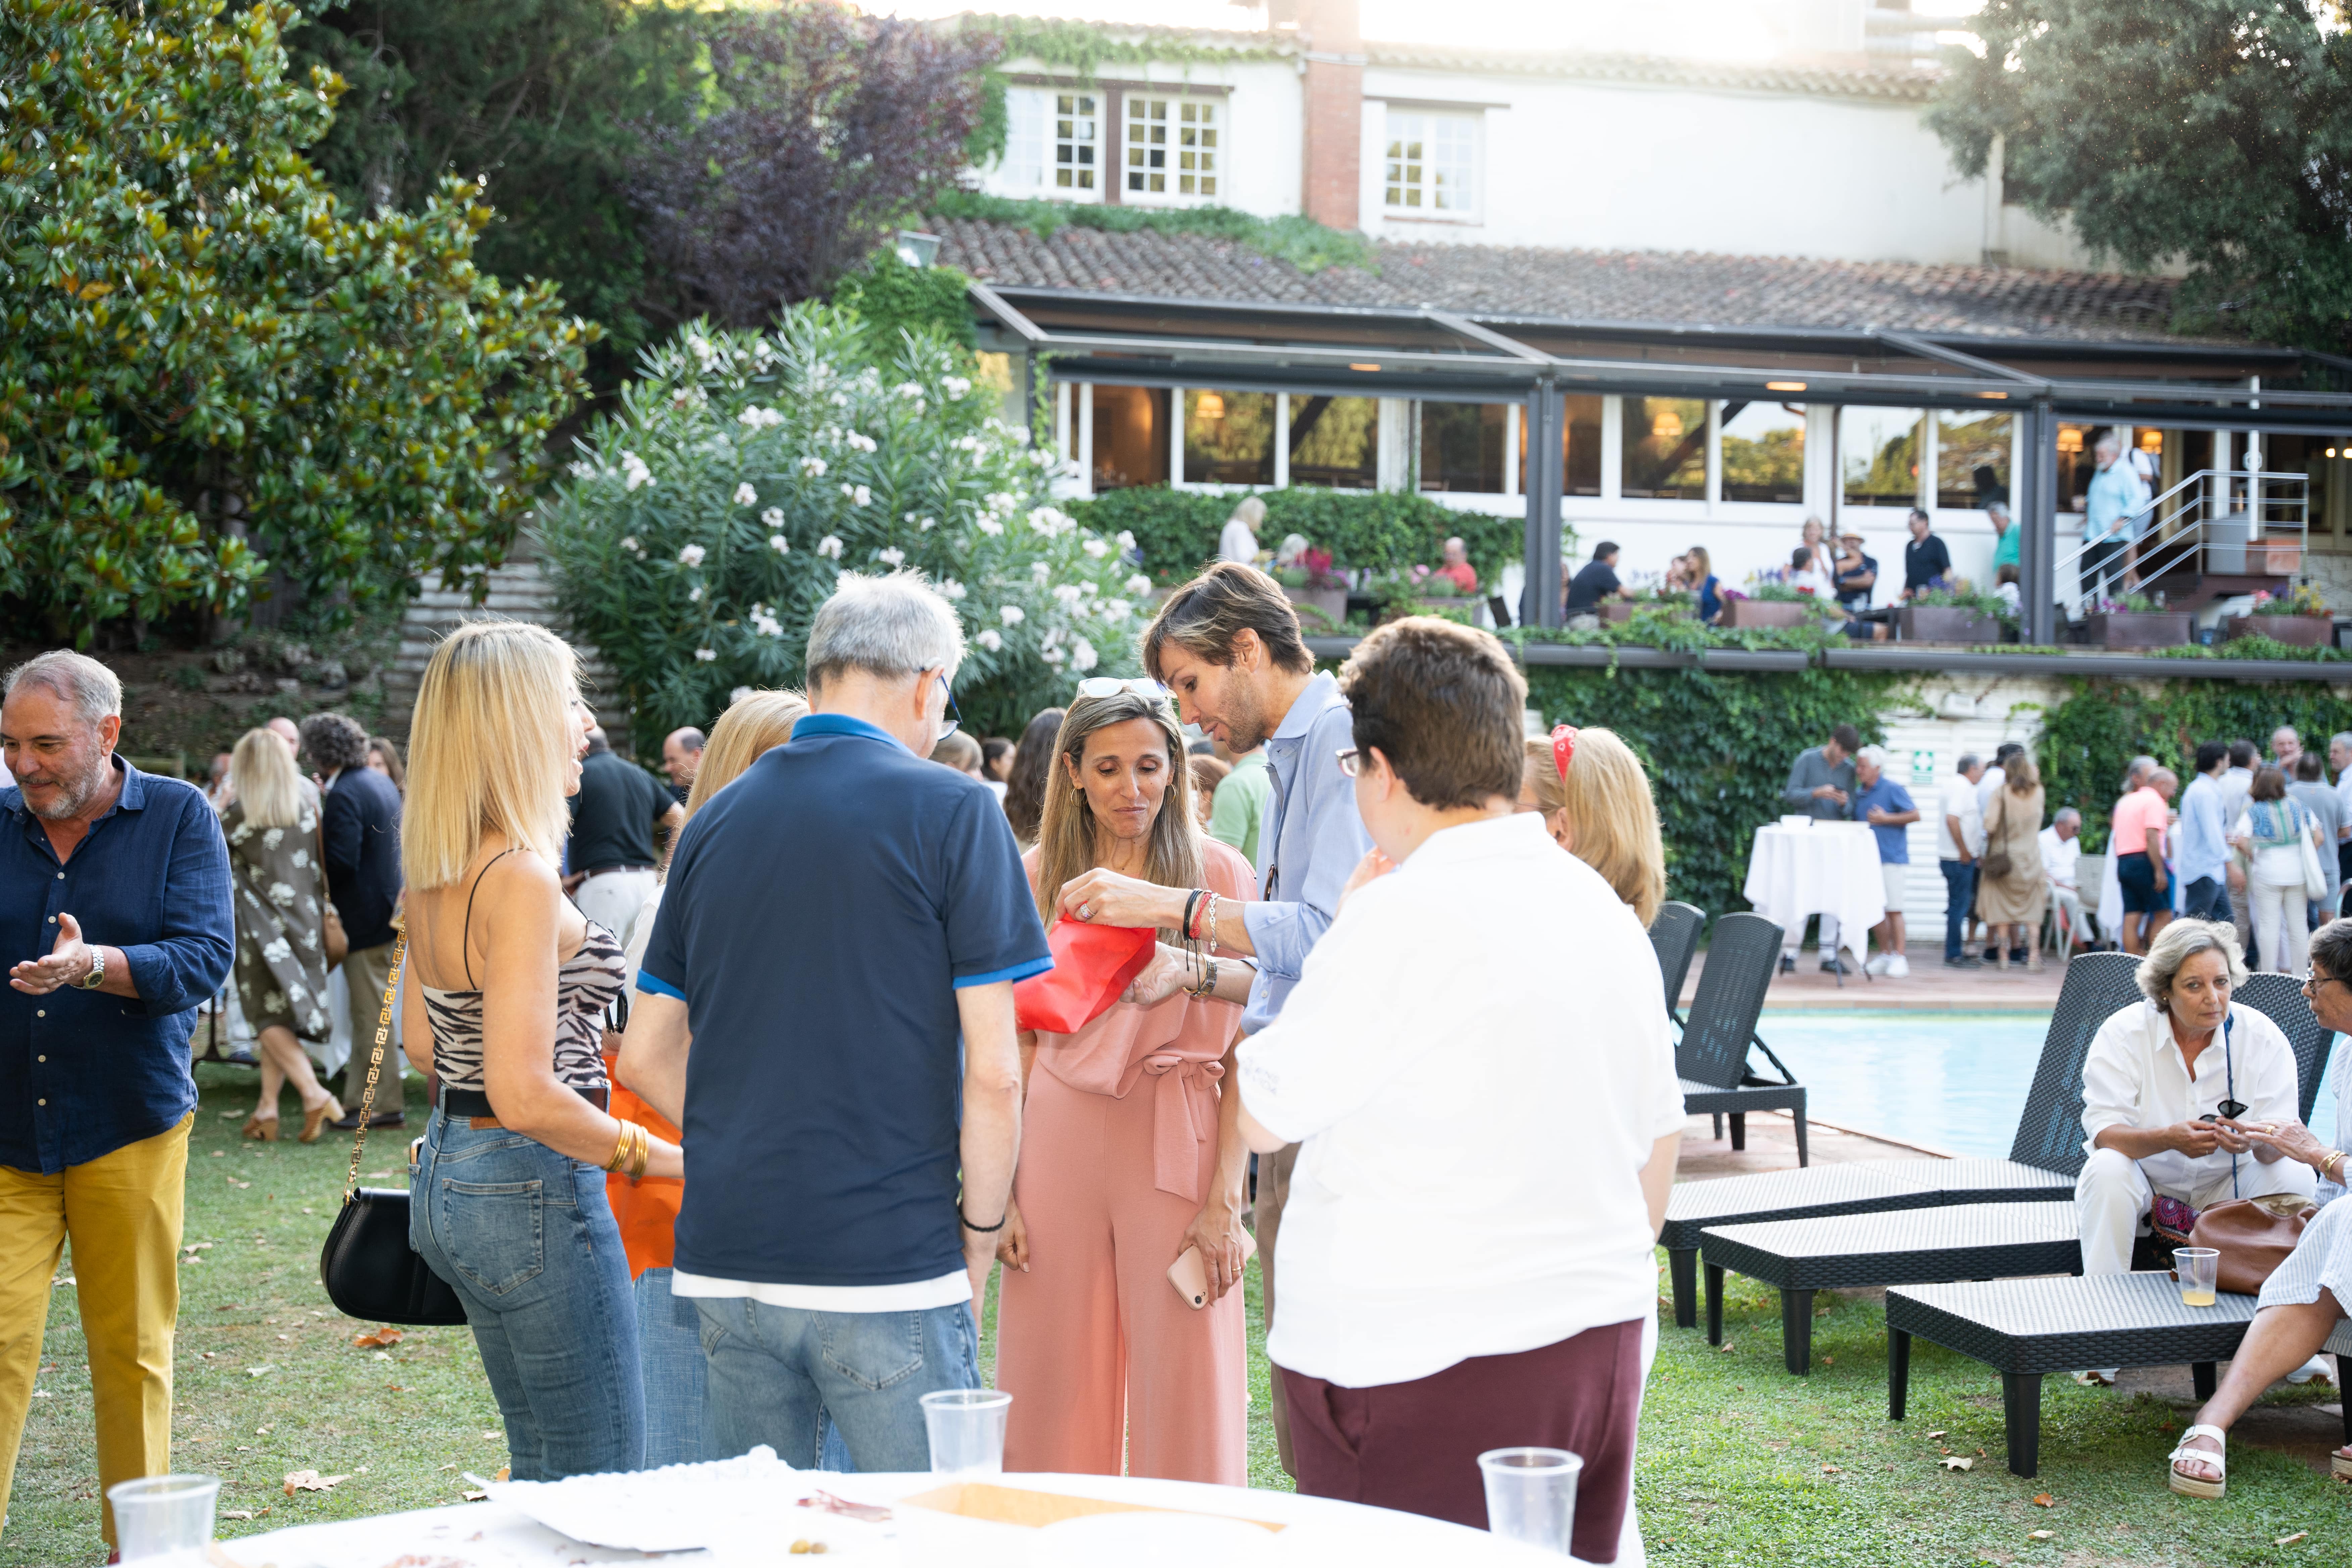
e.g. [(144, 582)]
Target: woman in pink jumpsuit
[(1129, 1153)]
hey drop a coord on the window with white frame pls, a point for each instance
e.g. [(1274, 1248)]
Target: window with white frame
[(1052, 144), (1431, 167), (1173, 147)]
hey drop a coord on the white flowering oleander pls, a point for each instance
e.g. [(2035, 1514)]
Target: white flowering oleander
[(737, 695), (690, 556), (1067, 593), (706, 656), (582, 470), (955, 386), (758, 418), (1052, 655), (950, 588), (745, 495), (1116, 609), (966, 443), (1043, 571), (1083, 656), (634, 471), (987, 637), (694, 595), (629, 542), (1127, 539), (830, 547), (1050, 522), (1096, 548), (860, 496), (911, 390), (891, 555), (1138, 585), (1012, 614), (813, 466), (999, 501), (772, 517), (925, 524), (780, 544), (858, 443), (988, 525)]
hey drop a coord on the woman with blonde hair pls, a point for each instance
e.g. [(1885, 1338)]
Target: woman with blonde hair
[(1131, 1153), (1699, 570), (272, 828), (2013, 889), (669, 1328), (506, 988), (1595, 798), (1238, 542)]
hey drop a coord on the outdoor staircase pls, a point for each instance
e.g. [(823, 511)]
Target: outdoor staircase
[(519, 590), (2215, 534)]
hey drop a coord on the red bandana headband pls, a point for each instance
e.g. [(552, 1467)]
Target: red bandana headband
[(1564, 747)]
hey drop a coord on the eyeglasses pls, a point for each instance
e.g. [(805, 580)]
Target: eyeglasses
[(1111, 686), (954, 721), (1352, 761), (2313, 980)]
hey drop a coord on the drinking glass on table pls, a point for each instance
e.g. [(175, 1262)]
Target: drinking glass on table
[(966, 1430), (1531, 1495), (165, 1519), (2197, 1268)]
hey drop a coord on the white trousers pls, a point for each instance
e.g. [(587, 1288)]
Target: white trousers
[(1829, 938), (614, 900), (2112, 1198), (2070, 899), (2282, 924)]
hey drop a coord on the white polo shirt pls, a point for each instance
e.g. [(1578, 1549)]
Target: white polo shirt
[(1476, 1055), (2135, 1078)]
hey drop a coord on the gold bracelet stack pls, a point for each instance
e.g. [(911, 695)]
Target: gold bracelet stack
[(634, 1148), (2336, 1160)]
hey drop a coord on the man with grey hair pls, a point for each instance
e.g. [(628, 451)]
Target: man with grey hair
[(2060, 849), (114, 908), (2173, 1088), (2112, 506), (1889, 810), (1959, 839), (824, 981)]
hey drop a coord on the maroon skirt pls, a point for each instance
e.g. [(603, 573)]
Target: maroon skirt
[(1414, 1446)]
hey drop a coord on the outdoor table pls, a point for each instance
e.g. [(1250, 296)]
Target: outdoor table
[(1825, 869), (498, 1534)]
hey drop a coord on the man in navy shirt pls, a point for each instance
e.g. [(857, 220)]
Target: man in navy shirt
[(835, 917), (115, 914)]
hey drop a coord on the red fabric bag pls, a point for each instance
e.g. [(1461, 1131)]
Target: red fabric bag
[(1092, 965)]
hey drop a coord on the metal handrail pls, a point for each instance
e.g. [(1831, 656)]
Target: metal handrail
[(2172, 528)]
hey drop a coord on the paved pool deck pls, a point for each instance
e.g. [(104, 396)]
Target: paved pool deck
[(1929, 987)]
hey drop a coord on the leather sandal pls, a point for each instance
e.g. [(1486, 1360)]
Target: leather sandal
[(315, 1119), (261, 1128), (2197, 1485)]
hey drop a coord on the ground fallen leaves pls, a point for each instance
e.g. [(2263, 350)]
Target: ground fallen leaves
[(1956, 1462), (310, 1482), (2044, 1499)]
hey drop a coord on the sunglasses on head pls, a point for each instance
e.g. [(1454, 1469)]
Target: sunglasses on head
[(1111, 686), (1564, 747)]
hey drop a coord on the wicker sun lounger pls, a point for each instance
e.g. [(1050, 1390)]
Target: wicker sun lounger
[(1712, 1060), (2044, 1156), (1674, 936), (1974, 1241)]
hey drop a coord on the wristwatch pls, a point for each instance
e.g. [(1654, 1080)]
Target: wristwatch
[(97, 975)]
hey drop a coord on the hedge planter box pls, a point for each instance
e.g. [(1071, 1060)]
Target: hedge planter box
[(1739, 613), (1332, 604), (2300, 631), (2146, 628), (1622, 610), (1948, 624)]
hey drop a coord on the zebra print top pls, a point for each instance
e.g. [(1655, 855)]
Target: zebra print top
[(587, 985)]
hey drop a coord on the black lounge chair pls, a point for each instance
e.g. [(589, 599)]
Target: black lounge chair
[(2044, 1157), (1674, 935), (1712, 1060), (1968, 1241)]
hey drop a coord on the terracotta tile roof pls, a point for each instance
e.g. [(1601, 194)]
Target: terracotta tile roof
[(1683, 288), (1850, 77)]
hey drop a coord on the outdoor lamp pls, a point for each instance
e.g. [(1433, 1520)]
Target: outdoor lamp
[(1210, 405), (917, 248)]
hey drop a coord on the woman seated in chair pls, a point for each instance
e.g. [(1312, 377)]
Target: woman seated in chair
[(2311, 1294), (2168, 1088)]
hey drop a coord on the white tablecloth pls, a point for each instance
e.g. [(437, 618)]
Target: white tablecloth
[(1828, 869), (497, 1535)]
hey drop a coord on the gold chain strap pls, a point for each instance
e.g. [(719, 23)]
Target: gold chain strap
[(375, 1065)]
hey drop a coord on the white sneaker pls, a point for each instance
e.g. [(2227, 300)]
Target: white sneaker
[(2316, 1369), (1877, 965), (1897, 966)]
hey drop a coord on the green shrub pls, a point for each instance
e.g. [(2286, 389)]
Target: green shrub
[(1377, 529), (705, 521)]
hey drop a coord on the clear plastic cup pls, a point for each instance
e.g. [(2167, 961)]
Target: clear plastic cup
[(1531, 1495), (966, 1430), (2197, 1267), (160, 1518)]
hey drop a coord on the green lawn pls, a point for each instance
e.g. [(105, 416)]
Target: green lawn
[(1735, 1469)]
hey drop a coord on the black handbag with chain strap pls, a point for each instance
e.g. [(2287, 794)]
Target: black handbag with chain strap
[(367, 1266)]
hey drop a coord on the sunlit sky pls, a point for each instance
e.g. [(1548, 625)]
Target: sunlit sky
[(1717, 29)]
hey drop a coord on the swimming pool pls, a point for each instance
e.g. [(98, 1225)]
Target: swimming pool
[(1950, 1081)]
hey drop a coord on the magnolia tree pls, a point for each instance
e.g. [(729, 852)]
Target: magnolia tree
[(703, 524)]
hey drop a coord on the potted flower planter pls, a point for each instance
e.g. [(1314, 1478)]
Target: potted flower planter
[(1758, 613), (1623, 610), (2275, 558), (1948, 624), (2300, 631), (1330, 603), (2138, 629)]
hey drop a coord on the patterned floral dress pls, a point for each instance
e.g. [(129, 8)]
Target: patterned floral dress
[(281, 951)]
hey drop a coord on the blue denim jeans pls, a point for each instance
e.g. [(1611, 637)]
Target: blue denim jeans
[(777, 1371), (1959, 893), (678, 1375), (525, 1237), (2205, 898)]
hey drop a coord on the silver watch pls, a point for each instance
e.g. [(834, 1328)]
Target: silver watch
[(97, 975)]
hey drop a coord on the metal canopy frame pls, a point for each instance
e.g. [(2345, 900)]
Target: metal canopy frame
[(1495, 365)]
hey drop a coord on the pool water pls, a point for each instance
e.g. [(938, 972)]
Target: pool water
[(1949, 1081)]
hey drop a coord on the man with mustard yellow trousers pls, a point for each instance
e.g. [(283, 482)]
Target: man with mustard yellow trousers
[(96, 1100)]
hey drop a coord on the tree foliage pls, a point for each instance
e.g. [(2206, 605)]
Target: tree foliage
[(2217, 131), (708, 518), (211, 367), (821, 130), (542, 102)]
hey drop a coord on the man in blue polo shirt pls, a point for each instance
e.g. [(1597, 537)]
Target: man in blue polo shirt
[(835, 918), (1887, 806)]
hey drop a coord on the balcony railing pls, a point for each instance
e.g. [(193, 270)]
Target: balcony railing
[(2215, 533)]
